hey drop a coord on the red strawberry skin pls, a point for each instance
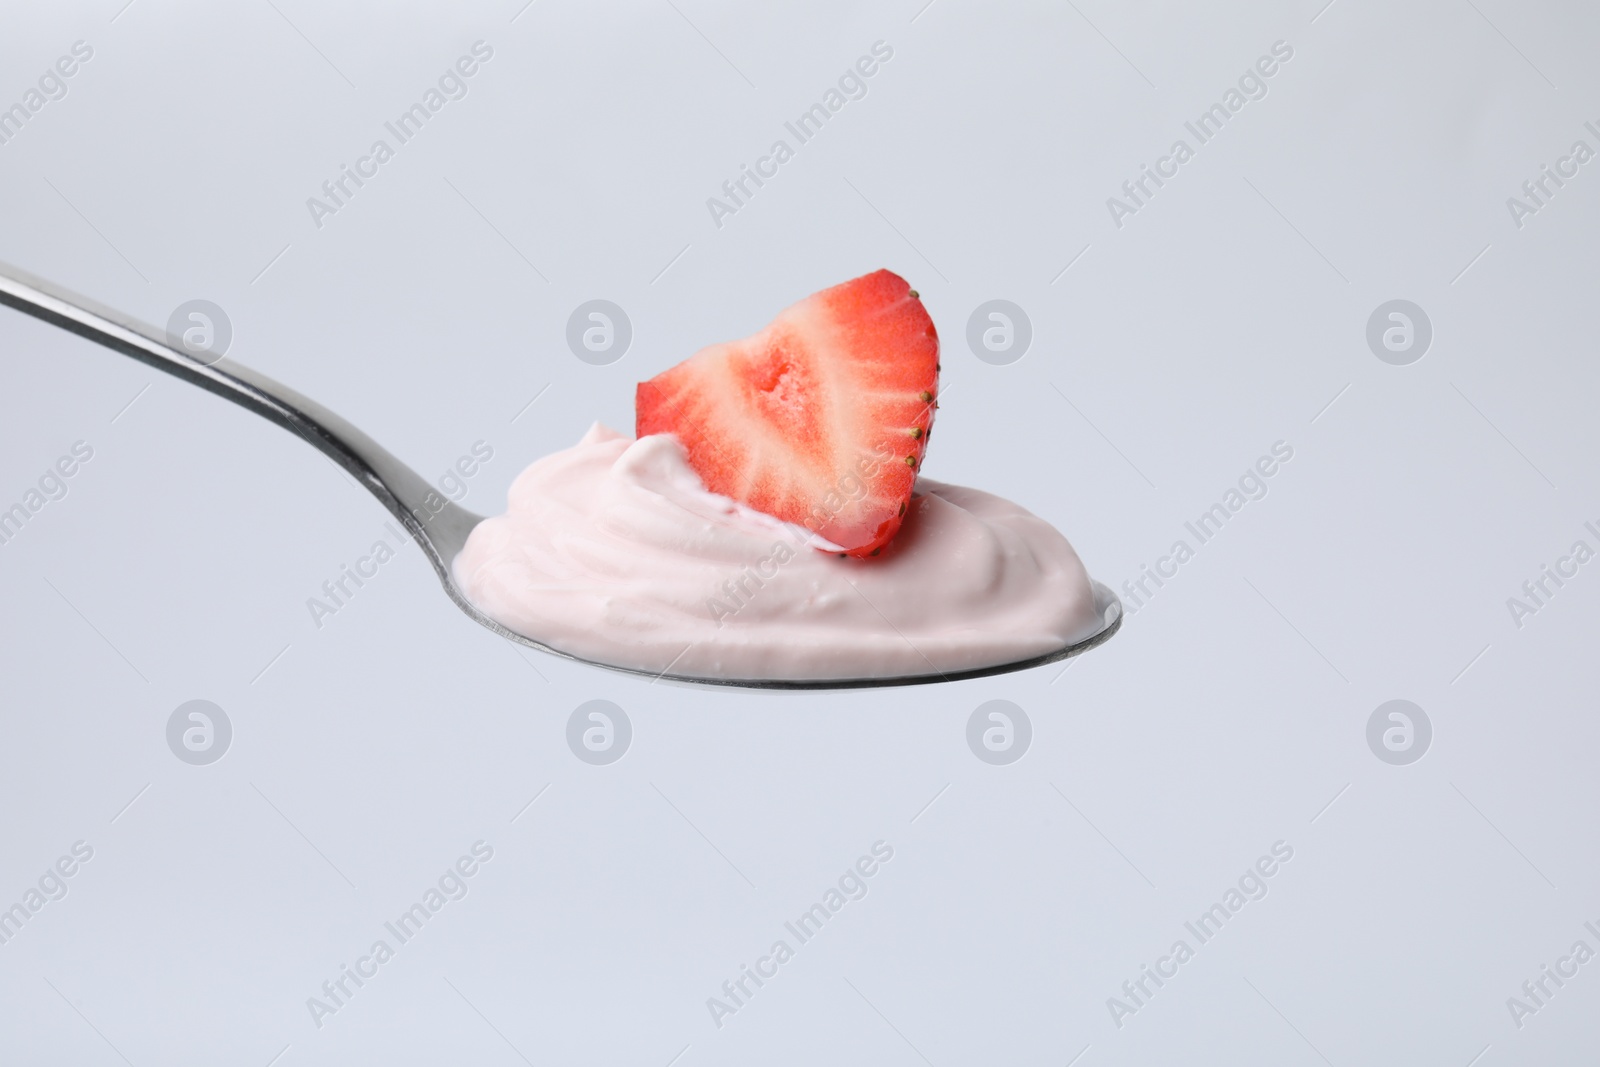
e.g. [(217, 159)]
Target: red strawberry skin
[(821, 419)]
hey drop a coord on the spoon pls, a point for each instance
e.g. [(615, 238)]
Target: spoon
[(438, 525)]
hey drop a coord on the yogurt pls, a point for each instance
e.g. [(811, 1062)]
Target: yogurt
[(614, 551)]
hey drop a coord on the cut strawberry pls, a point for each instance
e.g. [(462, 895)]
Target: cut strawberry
[(821, 419)]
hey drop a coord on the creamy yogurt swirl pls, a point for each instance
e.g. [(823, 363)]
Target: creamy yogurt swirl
[(613, 550)]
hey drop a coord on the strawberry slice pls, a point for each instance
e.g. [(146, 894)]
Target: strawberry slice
[(821, 419)]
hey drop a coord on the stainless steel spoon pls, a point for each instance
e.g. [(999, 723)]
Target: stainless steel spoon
[(438, 525)]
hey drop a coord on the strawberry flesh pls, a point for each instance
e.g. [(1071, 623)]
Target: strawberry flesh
[(821, 419)]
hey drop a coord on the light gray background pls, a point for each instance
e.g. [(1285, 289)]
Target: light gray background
[(1228, 314)]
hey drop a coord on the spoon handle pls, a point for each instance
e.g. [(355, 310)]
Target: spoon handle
[(438, 524)]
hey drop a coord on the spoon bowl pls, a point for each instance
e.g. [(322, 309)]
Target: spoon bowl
[(439, 526)]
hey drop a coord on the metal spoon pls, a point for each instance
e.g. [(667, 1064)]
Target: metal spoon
[(438, 525)]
